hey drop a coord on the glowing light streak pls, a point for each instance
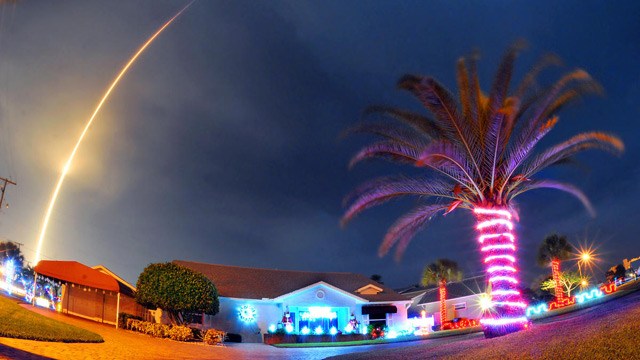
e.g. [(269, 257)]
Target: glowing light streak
[(503, 278), (510, 303), (494, 222), (498, 247), (67, 165), (589, 295), (481, 211), (562, 302), (482, 238), (505, 292), (504, 321), (501, 268), (608, 288), (537, 309), (496, 257)]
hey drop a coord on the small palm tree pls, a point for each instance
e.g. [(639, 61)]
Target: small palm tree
[(478, 154), (553, 250), (439, 273)]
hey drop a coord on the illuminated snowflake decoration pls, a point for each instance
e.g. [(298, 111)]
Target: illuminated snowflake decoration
[(247, 313)]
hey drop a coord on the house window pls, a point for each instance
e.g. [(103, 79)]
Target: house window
[(460, 306)]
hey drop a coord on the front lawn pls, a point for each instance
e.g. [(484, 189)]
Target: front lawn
[(16, 322)]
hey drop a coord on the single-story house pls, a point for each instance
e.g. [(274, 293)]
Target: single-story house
[(463, 299), (254, 301), (91, 293)]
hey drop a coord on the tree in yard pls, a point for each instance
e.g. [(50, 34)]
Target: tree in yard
[(567, 281), (176, 290), (553, 250), (439, 273), (377, 278), (478, 155)]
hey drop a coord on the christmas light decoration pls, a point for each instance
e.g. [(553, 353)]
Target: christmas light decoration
[(318, 330), (509, 303), (608, 288), (503, 279), (42, 302), (589, 295), (507, 313), (505, 292), (305, 331), (272, 328), (500, 257), (498, 247), (333, 331), (501, 268), (443, 304), (391, 334), (504, 321), (247, 313), (537, 309), (460, 324), (348, 329), (482, 238), (288, 328), (562, 302)]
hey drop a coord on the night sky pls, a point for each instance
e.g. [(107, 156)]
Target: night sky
[(222, 144)]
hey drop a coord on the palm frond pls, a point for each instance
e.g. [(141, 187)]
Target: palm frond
[(441, 103), (552, 184), (402, 134), (419, 122), (390, 150), (447, 157), (462, 76), (384, 189), (568, 148), (403, 230)]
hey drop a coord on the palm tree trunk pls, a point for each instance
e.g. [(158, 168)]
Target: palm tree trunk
[(555, 270), (497, 246), (443, 301)]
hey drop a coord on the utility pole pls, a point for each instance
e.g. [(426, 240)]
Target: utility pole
[(3, 187)]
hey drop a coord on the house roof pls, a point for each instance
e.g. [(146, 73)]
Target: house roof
[(466, 287), (255, 283), (125, 287), (77, 273)]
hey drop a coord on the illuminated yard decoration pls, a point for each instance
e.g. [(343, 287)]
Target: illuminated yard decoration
[(305, 331), (247, 313), (478, 152), (562, 302), (589, 295), (608, 288), (507, 306), (537, 309), (443, 304)]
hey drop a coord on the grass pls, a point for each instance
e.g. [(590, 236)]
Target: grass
[(609, 330), (435, 335), (16, 322)]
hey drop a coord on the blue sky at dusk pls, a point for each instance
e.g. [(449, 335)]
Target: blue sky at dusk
[(222, 144)]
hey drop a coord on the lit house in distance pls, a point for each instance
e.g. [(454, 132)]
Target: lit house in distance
[(255, 301)]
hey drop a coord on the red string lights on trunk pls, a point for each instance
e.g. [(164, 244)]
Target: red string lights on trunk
[(494, 228)]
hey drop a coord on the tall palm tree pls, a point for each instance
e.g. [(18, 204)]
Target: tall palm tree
[(478, 155), (554, 249), (439, 273)]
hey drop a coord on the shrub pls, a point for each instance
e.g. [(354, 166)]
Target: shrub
[(214, 337), (123, 319), (177, 290), (180, 333)]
